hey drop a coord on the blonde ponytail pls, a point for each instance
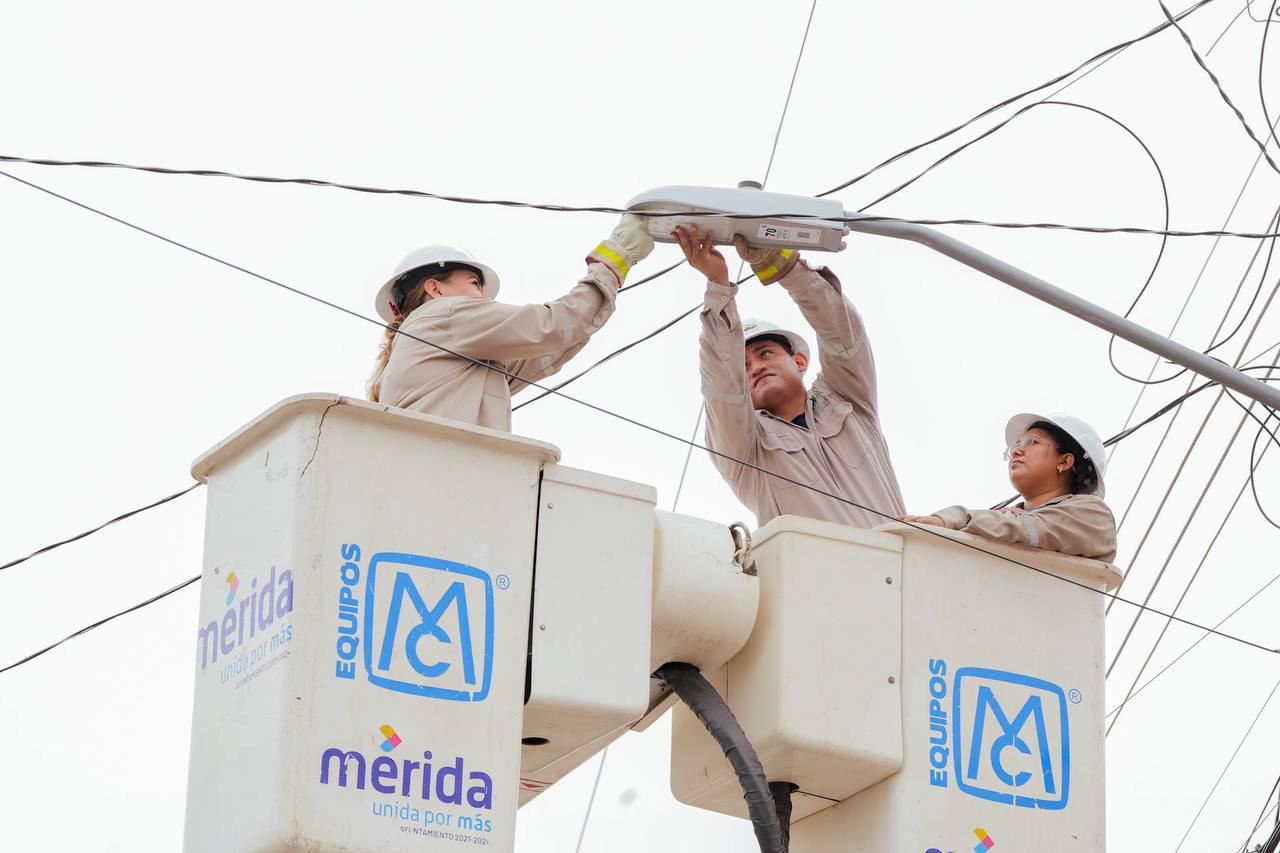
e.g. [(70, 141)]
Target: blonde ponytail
[(412, 300)]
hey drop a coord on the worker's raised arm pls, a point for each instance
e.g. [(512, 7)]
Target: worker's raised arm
[(731, 418), (496, 331), (534, 341), (844, 355)]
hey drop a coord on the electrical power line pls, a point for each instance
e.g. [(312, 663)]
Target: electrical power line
[(1194, 442), (1267, 808), (1135, 693), (1209, 796), (689, 452), (929, 530), (87, 628), (1262, 146), (655, 214), (90, 532), (1200, 565), (1105, 54)]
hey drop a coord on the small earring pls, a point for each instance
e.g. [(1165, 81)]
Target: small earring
[(1059, 469)]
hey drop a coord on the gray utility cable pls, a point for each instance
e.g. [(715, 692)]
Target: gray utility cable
[(582, 833), (1174, 481), (684, 469), (711, 709), (1267, 808), (1169, 428), (1209, 796), (1199, 640), (1194, 287), (1262, 146), (1204, 557), (99, 623), (1142, 389), (47, 548), (659, 214), (928, 530), (1109, 52)]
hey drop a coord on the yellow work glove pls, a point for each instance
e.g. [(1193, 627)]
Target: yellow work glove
[(769, 265), (628, 245)]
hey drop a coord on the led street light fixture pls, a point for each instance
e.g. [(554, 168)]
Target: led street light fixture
[(812, 224)]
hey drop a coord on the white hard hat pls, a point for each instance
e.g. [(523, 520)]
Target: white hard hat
[(425, 257), (1084, 435), (753, 328)]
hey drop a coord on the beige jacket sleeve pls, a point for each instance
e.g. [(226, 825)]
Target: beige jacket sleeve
[(844, 356), (533, 341), (1079, 525), (731, 419)]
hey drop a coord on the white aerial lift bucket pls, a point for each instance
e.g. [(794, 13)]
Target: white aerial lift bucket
[(410, 626), (923, 695)]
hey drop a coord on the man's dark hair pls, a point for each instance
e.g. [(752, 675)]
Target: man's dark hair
[(1084, 478), (781, 340)]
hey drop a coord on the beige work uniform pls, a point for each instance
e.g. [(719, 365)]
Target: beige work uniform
[(842, 451), (1079, 525), (529, 341)]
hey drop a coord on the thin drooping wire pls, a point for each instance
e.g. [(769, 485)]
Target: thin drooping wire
[(612, 355), (1200, 501), (1248, 731), (586, 817), (87, 628), (1253, 485), (1105, 54), (925, 529), (659, 274), (684, 470), (1262, 92), (1194, 442), (90, 532), (1208, 632), (659, 214), (768, 170), (1164, 190), (1262, 146), (1216, 342), (1203, 557), (1134, 695), (1023, 111), (1243, 9), (1266, 809), (1155, 584), (1155, 363)]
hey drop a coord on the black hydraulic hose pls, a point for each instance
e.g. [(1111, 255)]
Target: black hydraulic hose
[(782, 792), (713, 711)]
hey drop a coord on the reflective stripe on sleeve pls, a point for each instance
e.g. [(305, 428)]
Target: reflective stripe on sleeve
[(1033, 533), (612, 257)]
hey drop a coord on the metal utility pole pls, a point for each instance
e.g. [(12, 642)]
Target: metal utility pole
[(1033, 285)]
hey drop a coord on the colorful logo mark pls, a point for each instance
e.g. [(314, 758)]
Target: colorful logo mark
[(392, 739), (233, 584), (985, 842)]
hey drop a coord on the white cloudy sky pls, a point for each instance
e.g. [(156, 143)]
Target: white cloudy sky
[(126, 358)]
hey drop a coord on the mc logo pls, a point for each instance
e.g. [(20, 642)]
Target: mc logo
[(428, 627), (1011, 739)]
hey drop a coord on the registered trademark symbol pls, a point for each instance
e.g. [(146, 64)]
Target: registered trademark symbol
[(1074, 696), (504, 582)]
